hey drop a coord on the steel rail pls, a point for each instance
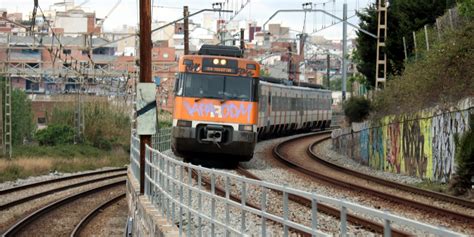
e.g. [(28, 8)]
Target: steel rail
[(31, 185), (396, 185), (20, 225), (83, 223), (48, 192), (368, 224), (351, 186)]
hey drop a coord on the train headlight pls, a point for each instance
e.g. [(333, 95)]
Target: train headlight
[(184, 123), (223, 62), (215, 61), (248, 128)]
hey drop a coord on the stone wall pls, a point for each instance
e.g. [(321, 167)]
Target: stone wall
[(420, 144), (146, 219)]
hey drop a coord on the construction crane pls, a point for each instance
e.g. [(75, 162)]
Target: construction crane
[(100, 23)]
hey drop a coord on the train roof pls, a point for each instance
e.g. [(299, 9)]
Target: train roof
[(287, 83), (294, 87), (220, 50)]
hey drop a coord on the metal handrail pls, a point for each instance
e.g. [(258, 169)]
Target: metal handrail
[(170, 192)]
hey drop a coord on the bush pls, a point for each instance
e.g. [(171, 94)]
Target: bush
[(55, 134), (107, 123), (23, 126), (357, 109), (461, 182), (442, 77)]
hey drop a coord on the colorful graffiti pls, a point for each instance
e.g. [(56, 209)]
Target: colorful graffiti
[(413, 149), (444, 126), (393, 148), (228, 110), (420, 144)]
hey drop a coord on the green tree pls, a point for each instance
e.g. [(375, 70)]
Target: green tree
[(404, 17), (23, 126), (22, 117), (466, 7)]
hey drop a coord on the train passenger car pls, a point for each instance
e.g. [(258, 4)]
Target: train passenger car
[(222, 105), (216, 95), (286, 109)]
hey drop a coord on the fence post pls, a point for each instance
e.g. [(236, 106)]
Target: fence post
[(426, 38), (438, 28), (450, 11), (405, 48), (414, 42)]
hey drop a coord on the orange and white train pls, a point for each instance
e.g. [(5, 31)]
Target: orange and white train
[(223, 106)]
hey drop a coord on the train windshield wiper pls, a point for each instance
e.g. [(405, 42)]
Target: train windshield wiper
[(207, 97)]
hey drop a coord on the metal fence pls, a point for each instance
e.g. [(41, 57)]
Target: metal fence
[(177, 190), (135, 155), (161, 141)]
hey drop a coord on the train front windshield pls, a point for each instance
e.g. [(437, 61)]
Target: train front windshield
[(217, 87)]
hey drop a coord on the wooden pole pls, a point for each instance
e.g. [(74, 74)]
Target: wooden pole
[(145, 74)]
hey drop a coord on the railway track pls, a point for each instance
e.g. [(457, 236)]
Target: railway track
[(388, 183), (20, 201), (37, 184), (91, 215), (55, 212), (318, 169)]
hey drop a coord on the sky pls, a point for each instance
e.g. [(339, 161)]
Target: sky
[(259, 10)]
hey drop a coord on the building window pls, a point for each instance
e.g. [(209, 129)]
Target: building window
[(41, 120)]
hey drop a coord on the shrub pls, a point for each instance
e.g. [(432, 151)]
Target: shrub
[(23, 126), (107, 123), (357, 109), (461, 182), (55, 134)]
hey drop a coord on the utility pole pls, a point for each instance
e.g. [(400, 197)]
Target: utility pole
[(145, 74), (186, 30), (381, 61), (289, 63), (344, 51), (328, 71), (7, 135), (302, 44), (242, 40)]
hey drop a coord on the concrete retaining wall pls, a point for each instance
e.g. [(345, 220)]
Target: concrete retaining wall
[(420, 144), (147, 220)]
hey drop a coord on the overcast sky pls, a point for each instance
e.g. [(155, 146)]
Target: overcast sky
[(259, 10)]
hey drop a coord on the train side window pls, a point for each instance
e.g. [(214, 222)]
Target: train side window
[(179, 85), (269, 97)]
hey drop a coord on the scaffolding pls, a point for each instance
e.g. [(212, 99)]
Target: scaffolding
[(381, 63), (98, 71)]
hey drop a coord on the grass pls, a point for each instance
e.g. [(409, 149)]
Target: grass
[(442, 77), (433, 186), (40, 160)]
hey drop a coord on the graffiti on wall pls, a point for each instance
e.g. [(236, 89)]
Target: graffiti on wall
[(393, 148), (420, 145), (445, 126), (413, 149)]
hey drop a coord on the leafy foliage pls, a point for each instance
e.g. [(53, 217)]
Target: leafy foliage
[(443, 76), (106, 124), (461, 183), (55, 134), (466, 7), (22, 117), (357, 109), (404, 16), (23, 126)]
